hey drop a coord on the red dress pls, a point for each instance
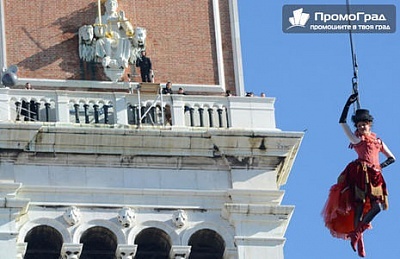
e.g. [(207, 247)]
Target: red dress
[(360, 182)]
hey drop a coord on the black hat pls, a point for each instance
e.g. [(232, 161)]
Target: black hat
[(361, 115)]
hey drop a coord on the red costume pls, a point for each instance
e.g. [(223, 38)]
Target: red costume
[(361, 181), (360, 192)]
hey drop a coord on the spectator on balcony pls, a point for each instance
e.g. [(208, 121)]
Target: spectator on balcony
[(145, 67), (250, 94), (228, 93), (168, 89), (262, 94), (28, 86), (181, 91)]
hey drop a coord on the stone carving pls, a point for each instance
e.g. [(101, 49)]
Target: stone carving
[(71, 255), (86, 43), (126, 251), (179, 218), (71, 251), (115, 43), (138, 44), (72, 215), (179, 252), (126, 217)]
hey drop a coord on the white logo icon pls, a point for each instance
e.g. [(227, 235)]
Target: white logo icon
[(299, 18)]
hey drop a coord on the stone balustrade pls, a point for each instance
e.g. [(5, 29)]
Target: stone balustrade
[(87, 107)]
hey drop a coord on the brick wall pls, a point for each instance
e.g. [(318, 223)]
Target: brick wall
[(42, 38)]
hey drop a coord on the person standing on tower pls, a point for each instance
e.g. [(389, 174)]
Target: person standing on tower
[(168, 88), (360, 193), (145, 67)]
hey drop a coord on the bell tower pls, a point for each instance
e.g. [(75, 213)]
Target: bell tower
[(93, 165)]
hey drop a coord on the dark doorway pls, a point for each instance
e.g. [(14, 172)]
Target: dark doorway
[(43, 242), (153, 243), (206, 244), (98, 243)]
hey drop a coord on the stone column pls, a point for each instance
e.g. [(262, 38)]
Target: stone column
[(121, 112), (3, 52), (21, 249), (259, 228), (13, 212), (5, 115), (62, 108), (178, 111), (230, 253)]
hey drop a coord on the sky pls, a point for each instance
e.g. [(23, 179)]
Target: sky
[(310, 77)]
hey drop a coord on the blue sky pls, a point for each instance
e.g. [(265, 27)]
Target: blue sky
[(310, 77)]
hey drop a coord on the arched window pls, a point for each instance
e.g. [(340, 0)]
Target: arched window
[(153, 243), (99, 243), (206, 244), (43, 242)]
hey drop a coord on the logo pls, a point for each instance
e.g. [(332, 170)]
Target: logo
[(339, 18), (299, 19)]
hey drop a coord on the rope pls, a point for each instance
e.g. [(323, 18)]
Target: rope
[(354, 61)]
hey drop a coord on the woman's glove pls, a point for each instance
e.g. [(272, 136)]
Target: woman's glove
[(387, 162), (352, 98)]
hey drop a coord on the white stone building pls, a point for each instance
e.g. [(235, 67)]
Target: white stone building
[(86, 175)]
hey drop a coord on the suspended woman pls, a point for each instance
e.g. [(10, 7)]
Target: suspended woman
[(360, 193)]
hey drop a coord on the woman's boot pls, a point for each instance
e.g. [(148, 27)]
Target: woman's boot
[(360, 246), (356, 235)]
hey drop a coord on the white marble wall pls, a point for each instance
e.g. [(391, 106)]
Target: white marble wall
[(226, 180)]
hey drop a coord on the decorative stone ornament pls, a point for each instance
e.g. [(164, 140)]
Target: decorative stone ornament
[(179, 218), (72, 215), (111, 40), (126, 217), (86, 42), (71, 251), (180, 252), (126, 251)]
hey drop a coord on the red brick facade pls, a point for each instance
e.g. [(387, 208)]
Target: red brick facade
[(42, 38)]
